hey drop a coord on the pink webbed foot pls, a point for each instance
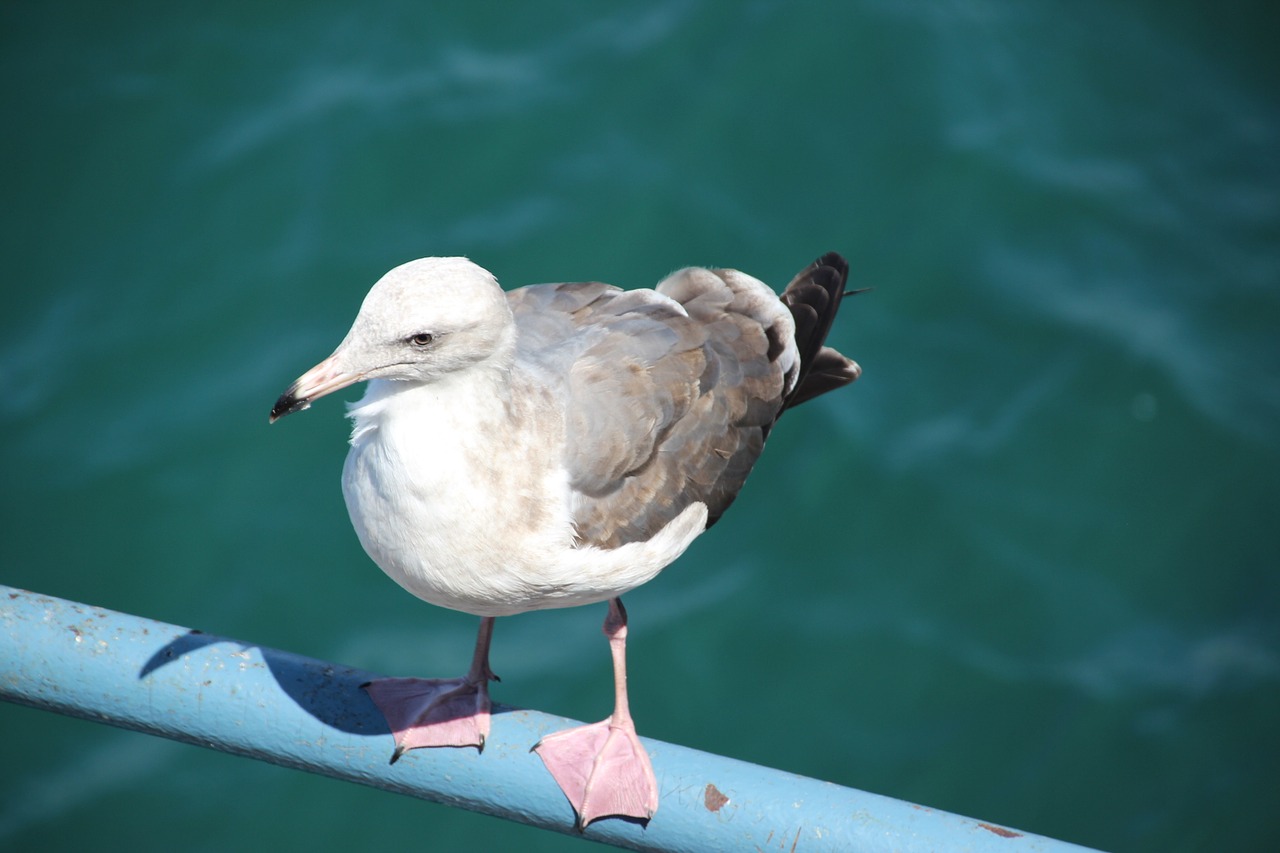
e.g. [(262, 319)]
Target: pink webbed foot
[(603, 770), (432, 711), (439, 711)]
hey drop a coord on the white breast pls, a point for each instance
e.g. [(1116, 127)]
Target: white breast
[(463, 500)]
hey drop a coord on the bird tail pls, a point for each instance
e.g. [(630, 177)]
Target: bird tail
[(813, 298)]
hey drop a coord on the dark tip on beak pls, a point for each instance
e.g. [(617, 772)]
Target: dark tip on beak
[(325, 378), (287, 405)]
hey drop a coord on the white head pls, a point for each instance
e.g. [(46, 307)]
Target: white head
[(421, 321)]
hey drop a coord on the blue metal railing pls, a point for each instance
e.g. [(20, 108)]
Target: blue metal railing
[(279, 707)]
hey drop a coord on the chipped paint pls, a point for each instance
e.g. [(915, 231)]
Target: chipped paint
[(713, 799), (1000, 830)]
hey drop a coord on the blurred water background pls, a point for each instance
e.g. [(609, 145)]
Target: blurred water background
[(1024, 570)]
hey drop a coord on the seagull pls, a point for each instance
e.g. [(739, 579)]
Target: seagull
[(553, 446)]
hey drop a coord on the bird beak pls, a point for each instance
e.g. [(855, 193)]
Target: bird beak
[(325, 378)]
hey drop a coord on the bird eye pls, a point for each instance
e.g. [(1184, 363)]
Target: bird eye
[(421, 339)]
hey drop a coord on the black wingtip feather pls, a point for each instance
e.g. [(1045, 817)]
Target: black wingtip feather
[(814, 297)]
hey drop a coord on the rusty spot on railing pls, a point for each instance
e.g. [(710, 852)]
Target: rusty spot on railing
[(713, 799), (1000, 831)]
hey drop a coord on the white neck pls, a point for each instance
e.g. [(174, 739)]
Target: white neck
[(464, 401)]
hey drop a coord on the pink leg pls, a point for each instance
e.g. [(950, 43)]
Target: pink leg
[(602, 768), (439, 711)]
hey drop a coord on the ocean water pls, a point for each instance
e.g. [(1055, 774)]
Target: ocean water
[(1024, 570)]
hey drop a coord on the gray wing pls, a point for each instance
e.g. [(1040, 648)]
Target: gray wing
[(668, 394)]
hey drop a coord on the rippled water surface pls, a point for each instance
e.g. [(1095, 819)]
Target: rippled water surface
[(1025, 569)]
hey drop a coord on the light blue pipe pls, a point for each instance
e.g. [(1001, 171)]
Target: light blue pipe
[(278, 707)]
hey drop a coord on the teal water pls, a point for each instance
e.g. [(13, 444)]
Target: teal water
[(1025, 569)]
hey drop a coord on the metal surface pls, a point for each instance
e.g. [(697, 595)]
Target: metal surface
[(278, 707)]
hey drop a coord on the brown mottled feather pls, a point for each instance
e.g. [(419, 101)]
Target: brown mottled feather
[(707, 373)]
